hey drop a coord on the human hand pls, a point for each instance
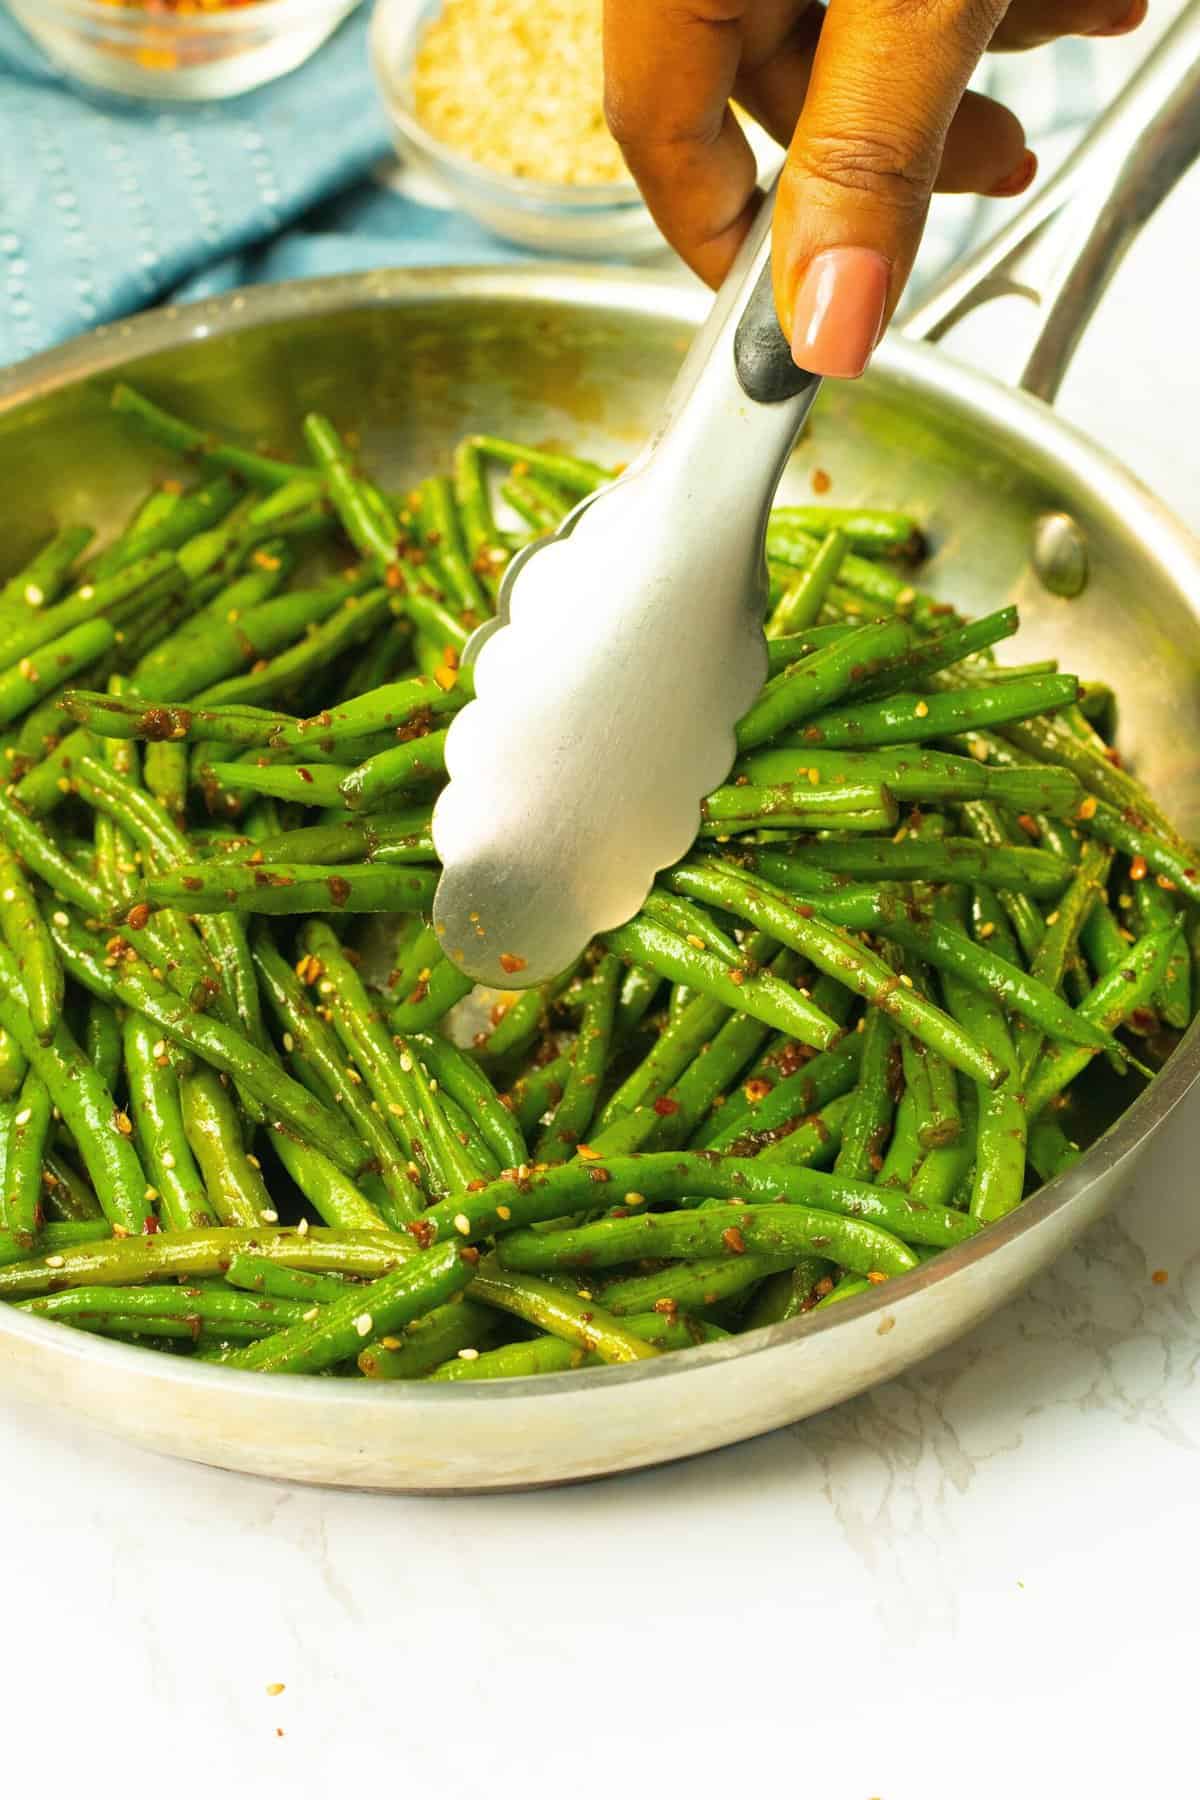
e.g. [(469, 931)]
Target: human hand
[(872, 95)]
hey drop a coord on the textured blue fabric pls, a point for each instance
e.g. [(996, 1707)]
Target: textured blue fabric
[(106, 208)]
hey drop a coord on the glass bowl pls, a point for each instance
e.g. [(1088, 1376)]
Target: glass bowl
[(179, 56), (557, 217)]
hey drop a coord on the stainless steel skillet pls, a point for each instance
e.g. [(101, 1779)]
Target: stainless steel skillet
[(586, 355)]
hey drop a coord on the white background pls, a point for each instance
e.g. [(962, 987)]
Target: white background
[(978, 1581)]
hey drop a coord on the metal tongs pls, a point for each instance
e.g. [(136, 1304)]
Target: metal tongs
[(624, 650)]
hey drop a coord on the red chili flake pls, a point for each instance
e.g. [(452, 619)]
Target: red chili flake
[(1137, 869), (737, 976), (756, 1088), (423, 1231), (1113, 756), (511, 964), (666, 1305), (664, 1106), (599, 1175), (1160, 1278), (339, 889), (150, 1225), (875, 1276), (138, 916), (159, 722), (304, 774), (192, 882), (821, 481), (394, 577), (1029, 825), (733, 1241)]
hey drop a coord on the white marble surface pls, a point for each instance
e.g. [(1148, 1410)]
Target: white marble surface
[(976, 1582)]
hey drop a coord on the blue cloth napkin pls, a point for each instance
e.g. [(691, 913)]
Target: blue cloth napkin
[(107, 207)]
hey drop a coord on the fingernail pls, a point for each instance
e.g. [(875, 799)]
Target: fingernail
[(1130, 22), (838, 311), (1018, 181)]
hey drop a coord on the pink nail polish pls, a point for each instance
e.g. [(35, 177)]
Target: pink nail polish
[(838, 310)]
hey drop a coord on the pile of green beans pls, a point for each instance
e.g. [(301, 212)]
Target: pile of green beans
[(930, 939)]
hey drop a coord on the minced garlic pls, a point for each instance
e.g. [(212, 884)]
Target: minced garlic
[(518, 85)]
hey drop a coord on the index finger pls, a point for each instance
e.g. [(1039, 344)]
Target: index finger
[(669, 70)]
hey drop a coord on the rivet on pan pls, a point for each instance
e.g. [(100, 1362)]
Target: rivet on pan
[(1060, 554)]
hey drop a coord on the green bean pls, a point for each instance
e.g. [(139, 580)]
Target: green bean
[(928, 656), (819, 680), (570, 472), (942, 1171), (154, 1103), (192, 1312), (914, 717), (577, 1106), (539, 510), (195, 512), (475, 507), (113, 599), (333, 1196), (814, 1141), (758, 994), (890, 534), (442, 534), (914, 774), (563, 1188), (65, 1194), (868, 1122), (1050, 1150), (411, 764), (434, 623), (982, 819), (688, 1287), (27, 1135), (259, 1275), (1179, 866), (136, 986), (789, 1294), (365, 516), (87, 1107), (236, 1190), (864, 1247), (802, 598), (23, 685), (744, 1130), (816, 868), (102, 1042), (852, 964), (579, 1321), (461, 1325), (460, 1076), (26, 1271), (129, 716), (12, 1066), (1063, 926), (693, 923), (801, 807), (383, 1306), (1155, 910), (280, 888), (26, 934), (176, 434), (45, 575), (1123, 991), (990, 926), (456, 1156)]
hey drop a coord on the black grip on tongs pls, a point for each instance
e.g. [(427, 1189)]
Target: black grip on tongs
[(762, 355)]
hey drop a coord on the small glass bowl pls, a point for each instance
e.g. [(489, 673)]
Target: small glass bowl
[(179, 56), (558, 217)]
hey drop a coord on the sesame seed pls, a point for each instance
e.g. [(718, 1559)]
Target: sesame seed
[(635, 1199), (697, 943), (8, 896), (504, 1212), (584, 1294), (395, 1108), (150, 1194), (314, 1312), (24, 1116), (168, 1159), (55, 1262), (406, 1062), (462, 1224), (302, 1228), (987, 928), (363, 1324), (1052, 918), (253, 1160), (269, 1216), (289, 1042), (922, 709), (274, 1688), (390, 1342), (468, 1354), (159, 1049)]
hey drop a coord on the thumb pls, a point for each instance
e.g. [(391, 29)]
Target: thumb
[(886, 81)]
